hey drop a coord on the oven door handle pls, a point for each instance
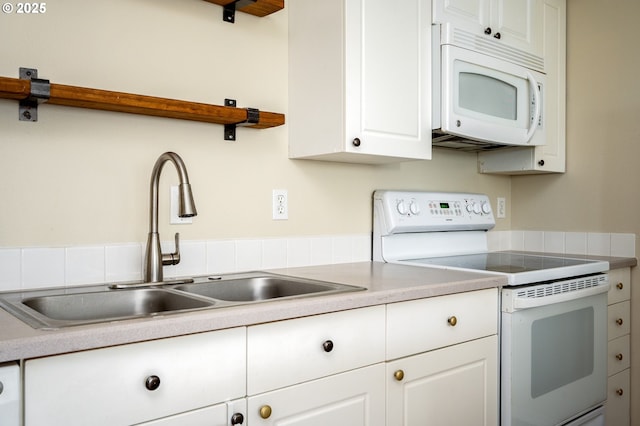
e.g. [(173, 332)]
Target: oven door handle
[(534, 302)]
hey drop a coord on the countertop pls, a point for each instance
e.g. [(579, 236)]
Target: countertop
[(384, 283)]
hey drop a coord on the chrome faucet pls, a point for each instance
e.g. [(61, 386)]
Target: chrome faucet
[(154, 258)]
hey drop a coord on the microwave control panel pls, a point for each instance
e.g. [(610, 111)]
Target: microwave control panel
[(421, 211)]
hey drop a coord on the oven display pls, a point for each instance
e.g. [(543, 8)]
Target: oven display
[(444, 205)]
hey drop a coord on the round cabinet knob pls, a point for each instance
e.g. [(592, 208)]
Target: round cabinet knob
[(619, 286), (1, 388), (414, 208), (619, 321), (620, 391), (452, 321), (265, 411), (619, 357), (487, 31), (327, 346), (541, 163), (152, 383), (486, 208), (356, 142), (398, 375), (497, 35), (401, 207), (237, 419)]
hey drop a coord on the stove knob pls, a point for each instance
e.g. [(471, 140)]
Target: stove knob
[(486, 208), (401, 207), (470, 208), (414, 208), (476, 209)]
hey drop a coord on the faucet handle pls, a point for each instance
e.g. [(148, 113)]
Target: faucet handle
[(172, 258)]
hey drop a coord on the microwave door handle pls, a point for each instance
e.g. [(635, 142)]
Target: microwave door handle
[(536, 100)]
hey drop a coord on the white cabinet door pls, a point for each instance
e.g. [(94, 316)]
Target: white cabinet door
[(360, 80), (457, 385), (354, 398), (10, 394), (232, 413), (135, 383), (513, 23)]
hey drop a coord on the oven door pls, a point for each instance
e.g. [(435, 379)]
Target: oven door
[(554, 360), (489, 99)]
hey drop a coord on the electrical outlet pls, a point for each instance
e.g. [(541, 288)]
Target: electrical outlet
[(501, 212), (175, 206), (280, 204)]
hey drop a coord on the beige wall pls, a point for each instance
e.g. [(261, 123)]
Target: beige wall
[(599, 192), (81, 177)]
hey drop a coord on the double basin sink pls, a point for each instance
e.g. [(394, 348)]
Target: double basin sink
[(52, 309)]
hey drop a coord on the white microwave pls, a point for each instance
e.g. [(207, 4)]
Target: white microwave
[(484, 101)]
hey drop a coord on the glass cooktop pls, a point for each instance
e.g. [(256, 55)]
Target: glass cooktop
[(518, 267)]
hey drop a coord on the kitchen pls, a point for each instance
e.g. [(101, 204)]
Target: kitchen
[(88, 171)]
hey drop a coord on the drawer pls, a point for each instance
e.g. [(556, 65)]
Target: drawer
[(422, 325), (618, 399), (111, 386), (619, 317), (619, 355), (620, 281), (293, 351)]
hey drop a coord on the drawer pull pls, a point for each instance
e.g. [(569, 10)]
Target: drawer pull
[(152, 383), (619, 357), (398, 375), (620, 392), (452, 321), (265, 411), (619, 286), (237, 419), (327, 346), (619, 321)]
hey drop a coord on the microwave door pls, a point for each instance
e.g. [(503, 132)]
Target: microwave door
[(491, 100)]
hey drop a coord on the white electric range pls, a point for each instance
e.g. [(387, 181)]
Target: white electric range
[(553, 309)]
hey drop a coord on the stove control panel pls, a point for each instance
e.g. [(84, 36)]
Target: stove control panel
[(422, 211)]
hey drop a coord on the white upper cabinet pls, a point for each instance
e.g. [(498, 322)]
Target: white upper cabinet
[(360, 80), (510, 23), (551, 157)]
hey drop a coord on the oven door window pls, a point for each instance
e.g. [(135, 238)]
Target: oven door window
[(554, 360), (561, 350)]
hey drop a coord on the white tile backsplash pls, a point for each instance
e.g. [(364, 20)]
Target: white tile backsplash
[(32, 268)]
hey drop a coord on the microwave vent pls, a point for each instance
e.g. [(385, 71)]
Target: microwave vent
[(458, 143)]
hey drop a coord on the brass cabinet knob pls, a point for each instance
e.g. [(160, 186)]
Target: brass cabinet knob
[(452, 321), (398, 375), (619, 286), (619, 357), (620, 392), (265, 411), (619, 321)]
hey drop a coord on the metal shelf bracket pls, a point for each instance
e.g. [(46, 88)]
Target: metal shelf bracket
[(229, 10), (253, 117), (40, 92)]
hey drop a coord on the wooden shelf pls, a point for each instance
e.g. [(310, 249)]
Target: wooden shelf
[(20, 89), (259, 8)]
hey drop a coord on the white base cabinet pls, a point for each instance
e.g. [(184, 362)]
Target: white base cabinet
[(130, 384), (354, 398), (451, 386)]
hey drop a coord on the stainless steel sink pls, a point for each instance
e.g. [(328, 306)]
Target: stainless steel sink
[(57, 308), (61, 310), (260, 288)]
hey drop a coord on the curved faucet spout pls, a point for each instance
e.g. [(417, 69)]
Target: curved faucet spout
[(154, 258)]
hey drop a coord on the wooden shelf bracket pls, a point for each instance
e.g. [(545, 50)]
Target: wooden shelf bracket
[(31, 91)]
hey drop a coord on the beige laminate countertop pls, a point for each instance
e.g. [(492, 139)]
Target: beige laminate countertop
[(384, 283)]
